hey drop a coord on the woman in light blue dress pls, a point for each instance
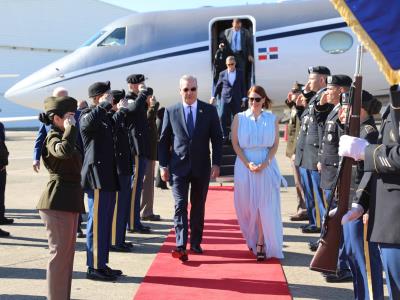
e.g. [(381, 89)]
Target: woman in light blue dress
[(255, 139)]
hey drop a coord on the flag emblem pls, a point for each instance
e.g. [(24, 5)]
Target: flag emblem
[(267, 53)]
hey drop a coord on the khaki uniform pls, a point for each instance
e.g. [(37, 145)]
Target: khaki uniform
[(293, 132)]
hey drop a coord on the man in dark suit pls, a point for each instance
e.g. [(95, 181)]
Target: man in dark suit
[(240, 43), (184, 157), (230, 87)]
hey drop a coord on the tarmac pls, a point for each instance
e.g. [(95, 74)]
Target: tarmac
[(24, 255)]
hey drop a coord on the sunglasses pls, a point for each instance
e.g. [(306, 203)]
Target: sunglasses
[(193, 89), (257, 99)]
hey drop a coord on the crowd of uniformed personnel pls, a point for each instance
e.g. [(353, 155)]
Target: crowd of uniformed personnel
[(316, 142)]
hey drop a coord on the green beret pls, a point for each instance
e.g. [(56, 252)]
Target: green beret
[(60, 105)]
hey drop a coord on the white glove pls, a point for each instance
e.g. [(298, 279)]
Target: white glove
[(352, 147), (354, 213), (70, 121)]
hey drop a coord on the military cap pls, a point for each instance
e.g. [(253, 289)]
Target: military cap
[(340, 80), (319, 70), (297, 87), (135, 78), (150, 91), (370, 103), (118, 95), (98, 88), (60, 105)]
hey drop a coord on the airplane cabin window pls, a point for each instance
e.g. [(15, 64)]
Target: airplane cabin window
[(115, 38), (93, 38), (336, 42)]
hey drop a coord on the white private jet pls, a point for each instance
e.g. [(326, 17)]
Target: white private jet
[(288, 37)]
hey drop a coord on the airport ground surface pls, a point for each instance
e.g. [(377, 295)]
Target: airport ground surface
[(23, 256)]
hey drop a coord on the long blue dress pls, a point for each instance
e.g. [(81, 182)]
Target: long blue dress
[(257, 195)]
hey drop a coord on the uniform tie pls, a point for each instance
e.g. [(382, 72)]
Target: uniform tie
[(190, 122)]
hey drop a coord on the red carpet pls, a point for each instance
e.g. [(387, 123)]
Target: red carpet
[(226, 270)]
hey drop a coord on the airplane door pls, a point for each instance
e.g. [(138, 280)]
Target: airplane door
[(217, 54)]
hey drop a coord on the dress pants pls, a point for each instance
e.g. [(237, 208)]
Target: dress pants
[(354, 245), (61, 233), (148, 190), (229, 110), (391, 263), (198, 195), (299, 189), (3, 179), (318, 196), (308, 195), (137, 185), (98, 229), (121, 210)]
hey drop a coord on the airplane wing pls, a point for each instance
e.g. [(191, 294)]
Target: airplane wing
[(17, 119)]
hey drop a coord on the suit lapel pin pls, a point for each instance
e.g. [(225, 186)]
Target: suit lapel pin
[(200, 110)]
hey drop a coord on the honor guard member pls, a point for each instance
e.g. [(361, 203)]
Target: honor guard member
[(314, 125), (99, 178), (361, 253), (302, 113), (124, 162), (328, 158), (138, 130), (381, 189), (293, 131), (3, 176)]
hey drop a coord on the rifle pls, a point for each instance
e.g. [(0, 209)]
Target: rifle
[(326, 257)]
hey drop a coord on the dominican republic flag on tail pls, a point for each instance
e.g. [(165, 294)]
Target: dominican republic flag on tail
[(267, 53), (376, 24)]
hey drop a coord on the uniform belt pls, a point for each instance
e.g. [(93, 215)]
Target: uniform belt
[(67, 178)]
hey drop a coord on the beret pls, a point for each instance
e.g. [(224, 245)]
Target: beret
[(61, 105), (98, 88), (319, 70), (150, 91), (340, 80), (297, 87), (135, 78), (118, 95)]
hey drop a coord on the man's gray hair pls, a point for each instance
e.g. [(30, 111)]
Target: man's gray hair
[(231, 58), (60, 92), (187, 78)]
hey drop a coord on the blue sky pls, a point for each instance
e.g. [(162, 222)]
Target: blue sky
[(152, 5)]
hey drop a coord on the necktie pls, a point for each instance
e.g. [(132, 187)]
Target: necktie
[(190, 122)]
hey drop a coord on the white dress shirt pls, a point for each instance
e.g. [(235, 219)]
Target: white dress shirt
[(194, 111), (232, 77)]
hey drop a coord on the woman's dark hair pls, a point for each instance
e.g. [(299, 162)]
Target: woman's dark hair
[(373, 107), (48, 117), (260, 91)]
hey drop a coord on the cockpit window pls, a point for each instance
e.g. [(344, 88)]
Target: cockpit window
[(93, 38), (115, 38)]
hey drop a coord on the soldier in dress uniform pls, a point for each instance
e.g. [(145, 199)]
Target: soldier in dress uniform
[(314, 123), (293, 132), (361, 253), (328, 158), (124, 162), (140, 148), (302, 113), (381, 189), (62, 201), (99, 178)]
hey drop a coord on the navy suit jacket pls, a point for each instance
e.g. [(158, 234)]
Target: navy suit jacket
[(230, 93), (186, 156)]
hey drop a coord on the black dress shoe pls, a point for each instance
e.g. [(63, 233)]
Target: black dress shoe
[(6, 221), (121, 248), (152, 217), (180, 253), (113, 272), (4, 233), (313, 246), (143, 229), (99, 274), (128, 244), (311, 229), (196, 249), (341, 276)]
